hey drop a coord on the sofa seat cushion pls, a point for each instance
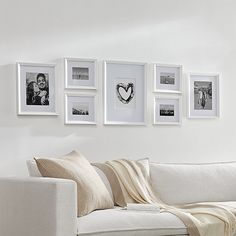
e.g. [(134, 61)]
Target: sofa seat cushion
[(116, 222)]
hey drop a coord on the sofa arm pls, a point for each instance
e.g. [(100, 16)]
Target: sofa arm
[(37, 207)]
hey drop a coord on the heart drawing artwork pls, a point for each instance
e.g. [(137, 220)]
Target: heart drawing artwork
[(125, 92)]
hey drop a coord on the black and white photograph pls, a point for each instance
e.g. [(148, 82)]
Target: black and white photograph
[(80, 73), (167, 111), (203, 95), (125, 93), (167, 78), (36, 89), (80, 109)]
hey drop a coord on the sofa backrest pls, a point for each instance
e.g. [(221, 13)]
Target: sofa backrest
[(190, 183)]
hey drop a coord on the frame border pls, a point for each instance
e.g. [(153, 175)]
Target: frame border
[(167, 123), (74, 94), (155, 65), (18, 74), (67, 60), (105, 121), (217, 76)]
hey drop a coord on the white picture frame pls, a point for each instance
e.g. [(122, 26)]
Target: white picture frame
[(80, 73), (203, 95), (80, 109), (124, 93), (36, 88), (167, 78), (167, 111)]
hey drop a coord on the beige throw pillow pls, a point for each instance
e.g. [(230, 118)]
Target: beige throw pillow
[(91, 191)]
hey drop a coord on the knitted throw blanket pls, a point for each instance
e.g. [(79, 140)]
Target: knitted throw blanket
[(130, 184)]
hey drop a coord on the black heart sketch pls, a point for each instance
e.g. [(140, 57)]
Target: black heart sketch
[(126, 88)]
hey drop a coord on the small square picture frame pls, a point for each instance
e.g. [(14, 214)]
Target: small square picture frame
[(125, 93), (80, 73), (167, 78), (36, 88), (167, 111), (203, 95), (80, 109)]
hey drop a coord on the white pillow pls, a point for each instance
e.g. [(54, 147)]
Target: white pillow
[(189, 183), (33, 168), (145, 163)]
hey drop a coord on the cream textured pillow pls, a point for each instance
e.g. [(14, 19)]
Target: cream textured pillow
[(91, 191), (113, 181)]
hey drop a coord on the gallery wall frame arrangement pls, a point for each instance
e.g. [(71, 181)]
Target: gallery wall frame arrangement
[(203, 95), (167, 78), (80, 108), (80, 73), (36, 89), (124, 93), (167, 111)]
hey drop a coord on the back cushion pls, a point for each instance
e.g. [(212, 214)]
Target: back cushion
[(190, 183)]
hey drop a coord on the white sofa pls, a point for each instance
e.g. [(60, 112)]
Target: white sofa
[(47, 207)]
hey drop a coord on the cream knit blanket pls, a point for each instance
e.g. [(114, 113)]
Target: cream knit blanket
[(201, 219)]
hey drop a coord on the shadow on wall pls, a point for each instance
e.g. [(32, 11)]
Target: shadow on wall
[(8, 92)]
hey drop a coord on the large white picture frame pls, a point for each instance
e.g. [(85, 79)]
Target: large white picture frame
[(80, 108), (80, 73), (36, 86), (124, 93), (167, 78), (204, 95), (167, 111)]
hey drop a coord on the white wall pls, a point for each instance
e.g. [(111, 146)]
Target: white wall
[(200, 35)]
